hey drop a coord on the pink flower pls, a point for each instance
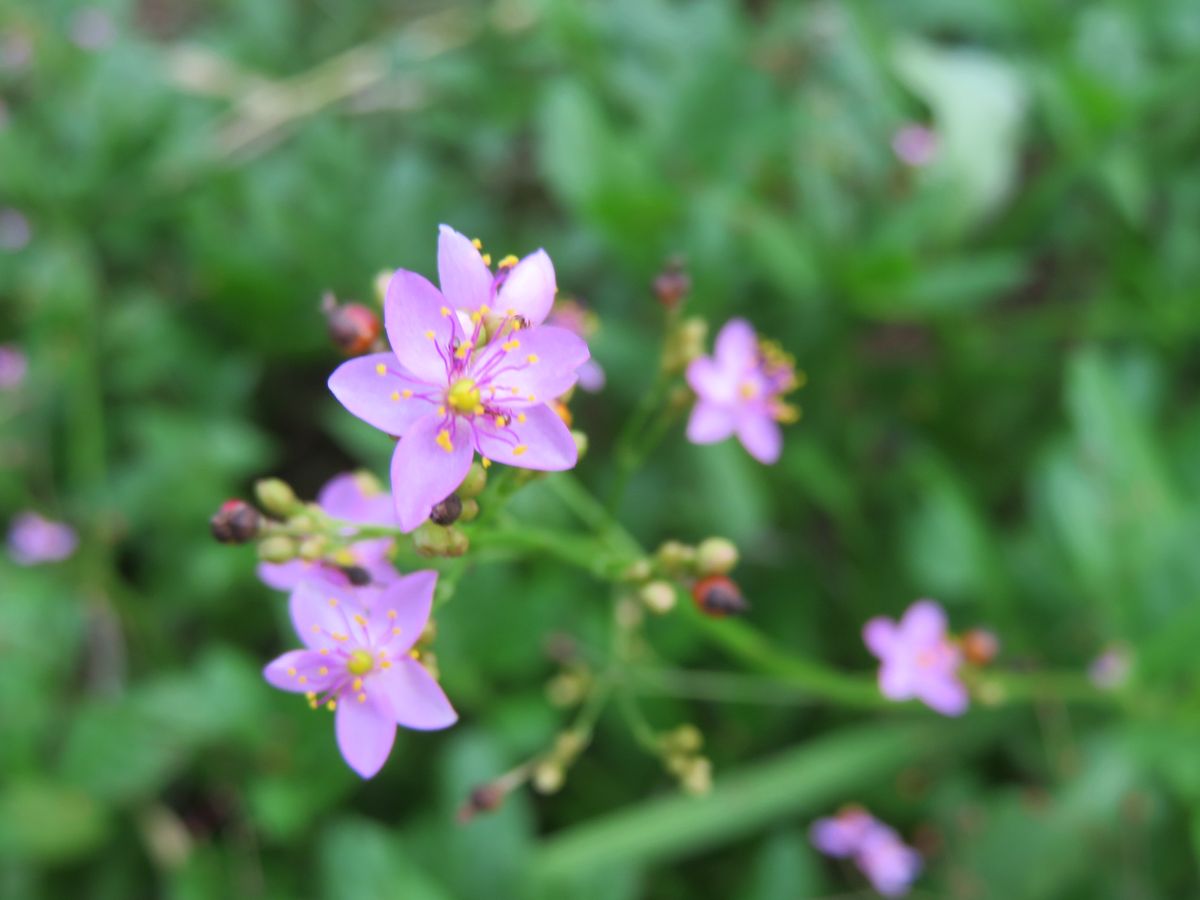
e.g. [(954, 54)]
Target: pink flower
[(33, 540), (577, 319), (354, 498), (739, 391), (915, 145), (357, 663), (888, 863), (13, 366), (918, 659), (471, 370), (1111, 668)]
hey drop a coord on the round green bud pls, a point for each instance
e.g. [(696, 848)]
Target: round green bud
[(277, 549), (676, 557), (313, 548), (658, 596), (581, 442), (276, 497), (716, 556), (470, 511), (474, 483), (431, 540), (548, 777)]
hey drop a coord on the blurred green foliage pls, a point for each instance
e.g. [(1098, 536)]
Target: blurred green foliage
[(1000, 414)]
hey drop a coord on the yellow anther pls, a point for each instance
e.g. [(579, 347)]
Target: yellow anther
[(532, 358), (476, 317), (521, 418), (292, 671), (441, 410), (357, 685), (484, 309), (324, 670), (477, 243), (515, 391), (324, 651), (303, 679), (338, 636), (333, 601), (501, 421), (392, 614), (406, 393), (344, 557), (312, 703), (487, 259), (386, 664), (316, 629), (445, 310), (362, 698), (360, 619), (395, 395), (478, 410), (381, 369), (443, 440), (311, 695), (532, 398), (485, 462), (397, 631), (519, 449), (415, 654), (508, 262), (463, 395), (331, 705), (510, 345), (748, 390), (463, 349), (429, 334)]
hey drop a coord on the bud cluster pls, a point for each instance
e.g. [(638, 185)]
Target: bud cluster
[(702, 570), (680, 749)]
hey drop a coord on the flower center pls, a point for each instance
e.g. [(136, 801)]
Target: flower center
[(463, 395), (360, 662)]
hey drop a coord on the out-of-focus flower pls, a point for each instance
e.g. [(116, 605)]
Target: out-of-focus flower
[(1111, 668), (15, 230), (356, 662), (577, 319), (918, 659), (915, 145), (470, 370), (980, 646), (673, 283), (739, 390), (888, 863), (92, 28), (33, 539), (13, 366), (355, 498), (16, 51)]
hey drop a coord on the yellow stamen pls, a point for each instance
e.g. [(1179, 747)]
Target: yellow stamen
[(443, 441), (395, 396), (362, 698), (292, 671), (324, 670), (429, 335), (532, 358), (510, 345), (501, 421), (333, 601), (303, 679), (392, 614), (331, 705), (445, 310), (381, 369), (463, 395), (487, 259), (521, 417), (519, 449), (508, 262), (485, 462), (477, 243), (357, 685)]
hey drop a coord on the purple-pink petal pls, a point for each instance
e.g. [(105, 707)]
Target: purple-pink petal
[(429, 463), (317, 619), (299, 671), (591, 377), (533, 366), (364, 736), (924, 622), (945, 695), (760, 435), (377, 390), (420, 325), (34, 539), (736, 345), (709, 423), (529, 289), (879, 634), (349, 496), (534, 438), (401, 609), (413, 698), (711, 381), (465, 278)]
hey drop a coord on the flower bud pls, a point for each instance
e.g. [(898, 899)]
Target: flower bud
[(566, 689), (474, 483), (276, 497), (277, 549), (673, 283), (431, 540), (684, 344), (697, 777), (313, 548), (485, 798), (448, 511), (459, 543), (716, 556), (675, 557), (548, 777), (628, 613), (236, 522), (638, 571), (581, 442), (470, 511), (353, 328), (658, 596), (980, 646), (684, 739), (380, 284), (356, 575), (717, 596)]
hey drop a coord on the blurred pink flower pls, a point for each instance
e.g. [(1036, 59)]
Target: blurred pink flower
[(357, 662), (33, 539), (915, 145), (354, 498), (1111, 668), (888, 863), (13, 366), (918, 660), (471, 370), (739, 390)]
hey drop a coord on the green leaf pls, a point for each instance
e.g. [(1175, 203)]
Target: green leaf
[(360, 859), (47, 822)]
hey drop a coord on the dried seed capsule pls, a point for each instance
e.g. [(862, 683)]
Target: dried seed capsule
[(236, 522), (448, 511), (718, 596), (353, 328)]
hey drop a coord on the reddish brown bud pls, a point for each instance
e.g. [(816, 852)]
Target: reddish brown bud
[(719, 596), (353, 328), (448, 511), (485, 798), (236, 522), (673, 283), (980, 646)]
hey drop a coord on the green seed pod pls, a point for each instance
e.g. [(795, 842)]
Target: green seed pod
[(276, 497), (474, 483), (716, 556), (277, 549)]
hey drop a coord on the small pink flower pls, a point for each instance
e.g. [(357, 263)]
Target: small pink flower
[(915, 145), (13, 366), (888, 863), (918, 660), (471, 370), (355, 499), (1111, 668), (739, 390), (33, 540), (357, 662)]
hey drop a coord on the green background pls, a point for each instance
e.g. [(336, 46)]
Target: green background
[(1001, 351)]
